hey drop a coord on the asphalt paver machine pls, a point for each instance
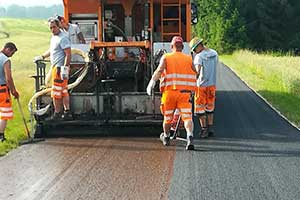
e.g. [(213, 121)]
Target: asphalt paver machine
[(110, 73)]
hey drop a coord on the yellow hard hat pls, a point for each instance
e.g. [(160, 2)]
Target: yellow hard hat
[(195, 42)]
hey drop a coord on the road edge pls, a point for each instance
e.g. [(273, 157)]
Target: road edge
[(265, 100)]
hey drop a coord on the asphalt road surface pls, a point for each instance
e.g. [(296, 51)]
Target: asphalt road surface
[(255, 154)]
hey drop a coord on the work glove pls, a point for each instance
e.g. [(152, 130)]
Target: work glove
[(38, 58), (150, 87)]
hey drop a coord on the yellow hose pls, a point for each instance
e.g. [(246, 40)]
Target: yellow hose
[(70, 86)]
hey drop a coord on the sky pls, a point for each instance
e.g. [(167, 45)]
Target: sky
[(27, 3)]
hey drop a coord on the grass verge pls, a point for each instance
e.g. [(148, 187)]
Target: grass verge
[(32, 38), (276, 78)]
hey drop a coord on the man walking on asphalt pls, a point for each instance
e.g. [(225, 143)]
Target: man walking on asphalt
[(60, 56), (7, 86), (178, 74), (205, 62)]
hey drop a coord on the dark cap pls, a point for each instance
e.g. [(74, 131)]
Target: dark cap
[(10, 46)]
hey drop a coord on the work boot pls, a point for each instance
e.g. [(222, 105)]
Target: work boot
[(204, 133), (190, 143), (165, 140), (173, 134), (2, 137), (67, 115), (56, 116), (211, 131)]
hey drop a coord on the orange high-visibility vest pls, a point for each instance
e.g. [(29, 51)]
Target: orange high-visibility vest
[(178, 73)]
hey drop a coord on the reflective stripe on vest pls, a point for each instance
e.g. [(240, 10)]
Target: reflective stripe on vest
[(179, 83), (185, 76)]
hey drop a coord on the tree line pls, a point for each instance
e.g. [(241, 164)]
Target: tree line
[(260, 25), (36, 12), (226, 25)]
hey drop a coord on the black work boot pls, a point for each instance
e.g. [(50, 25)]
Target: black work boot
[(2, 137), (211, 131), (204, 133), (67, 115), (172, 132), (165, 140), (190, 143)]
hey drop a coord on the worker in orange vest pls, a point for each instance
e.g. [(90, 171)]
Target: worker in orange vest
[(7, 87), (178, 74)]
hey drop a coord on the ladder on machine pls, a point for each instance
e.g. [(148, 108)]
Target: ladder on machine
[(172, 7)]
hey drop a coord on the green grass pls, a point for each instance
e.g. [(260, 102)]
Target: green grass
[(32, 38), (276, 78)]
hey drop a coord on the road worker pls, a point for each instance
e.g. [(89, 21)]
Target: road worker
[(205, 63), (176, 68), (73, 30), (60, 57), (7, 86)]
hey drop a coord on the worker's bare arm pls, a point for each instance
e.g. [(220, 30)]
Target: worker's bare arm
[(9, 79), (46, 54), (194, 69), (198, 69), (81, 38), (161, 67), (68, 56)]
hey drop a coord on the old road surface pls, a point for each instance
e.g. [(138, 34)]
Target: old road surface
[(254, 155)]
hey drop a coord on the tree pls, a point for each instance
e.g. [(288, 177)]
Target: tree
[(269, 23), (16, 11), (39, 12), (292, 34), (2, 12), (220, 25)]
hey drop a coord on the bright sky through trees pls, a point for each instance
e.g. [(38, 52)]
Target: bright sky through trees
[(27, 3)]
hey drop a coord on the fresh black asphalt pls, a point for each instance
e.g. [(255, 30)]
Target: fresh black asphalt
[(255, 153)]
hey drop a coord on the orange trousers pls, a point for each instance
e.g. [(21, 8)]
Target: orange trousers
[(6, 112), (172, 99), (205, 99), (59, 86)]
